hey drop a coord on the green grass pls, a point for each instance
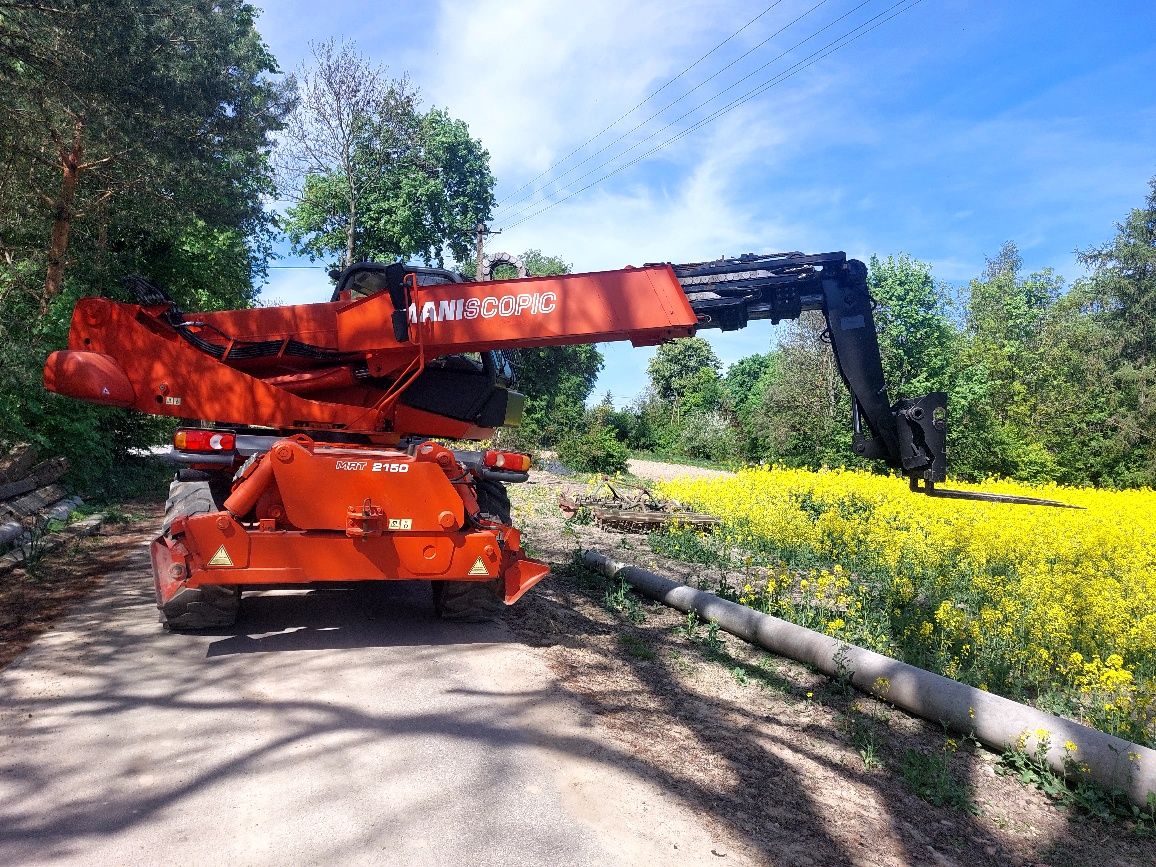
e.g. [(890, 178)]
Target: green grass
[(621, 599), (689, 546), (636, 647), (865, 738), (1070, 789), (930, 776)]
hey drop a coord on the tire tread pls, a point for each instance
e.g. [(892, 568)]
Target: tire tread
[(475, 601), (209, 607)]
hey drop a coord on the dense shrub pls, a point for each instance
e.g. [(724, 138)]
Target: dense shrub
[(709, 436), (595, 450)]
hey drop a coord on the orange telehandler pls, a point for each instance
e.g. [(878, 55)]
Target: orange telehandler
[(320, 461)]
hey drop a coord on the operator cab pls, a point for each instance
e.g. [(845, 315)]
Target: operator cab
[(363, 279), (469, 386)]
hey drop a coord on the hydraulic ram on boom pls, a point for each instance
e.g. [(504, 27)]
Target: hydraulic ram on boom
[(318, 464)]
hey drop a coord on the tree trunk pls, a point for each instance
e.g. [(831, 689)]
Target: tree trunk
[(350, 232), (349, 237), (62, 214)]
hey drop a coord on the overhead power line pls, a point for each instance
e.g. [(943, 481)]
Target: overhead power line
[(698, 86), (824, 52), (529, 206), (647, 99)]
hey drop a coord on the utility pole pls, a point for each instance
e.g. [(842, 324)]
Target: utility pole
[(482, 232)]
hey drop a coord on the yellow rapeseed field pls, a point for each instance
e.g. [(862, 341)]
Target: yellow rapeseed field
[(1055, 606)]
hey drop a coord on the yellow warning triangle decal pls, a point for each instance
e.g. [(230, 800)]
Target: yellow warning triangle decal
[(222, 558), (479, 568)]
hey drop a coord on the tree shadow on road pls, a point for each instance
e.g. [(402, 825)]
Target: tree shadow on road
[(775, 760), (115, 730), (373, 614)]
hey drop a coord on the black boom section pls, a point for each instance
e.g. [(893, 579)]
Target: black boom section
[(729, 293)]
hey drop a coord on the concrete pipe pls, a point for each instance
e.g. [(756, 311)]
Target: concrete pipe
[(999, 723)]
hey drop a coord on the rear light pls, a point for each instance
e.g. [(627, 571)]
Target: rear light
[(198, 440), (510, 461)]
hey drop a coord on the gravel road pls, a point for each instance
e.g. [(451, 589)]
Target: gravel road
[(330, 727), (660, 472)]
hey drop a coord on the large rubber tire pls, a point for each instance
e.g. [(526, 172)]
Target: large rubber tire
[(475, 601), (220, 482), (209, 607)]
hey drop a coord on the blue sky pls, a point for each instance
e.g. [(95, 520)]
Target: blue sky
[(942, 133)]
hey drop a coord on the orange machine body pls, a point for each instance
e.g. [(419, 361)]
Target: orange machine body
[(113, 345), (307, 511), (330, 405), (329, 512)]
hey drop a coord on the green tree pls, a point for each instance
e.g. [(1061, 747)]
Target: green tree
[(677, 415), (651, 429), (1122, 292), (593, 448), (744, 385), (992, 429), (1072, 400), (915, 334), (744, 380), (685, 374), (347, 110), (1004, 310), (803, 417), (430, 204), (134, 138), (159, 108), (372, 176), (1124, 281)]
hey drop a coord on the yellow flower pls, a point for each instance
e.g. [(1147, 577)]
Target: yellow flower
[(1001, 596)]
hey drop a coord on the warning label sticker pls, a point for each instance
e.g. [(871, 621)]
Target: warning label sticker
[(221, 558), (479, 568)]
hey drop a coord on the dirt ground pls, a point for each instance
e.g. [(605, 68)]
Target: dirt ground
[(785, 765), (781, 765), (660, 472), (33, 597)]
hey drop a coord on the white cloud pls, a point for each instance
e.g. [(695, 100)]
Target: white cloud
[(699, 210), (534, 79)]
